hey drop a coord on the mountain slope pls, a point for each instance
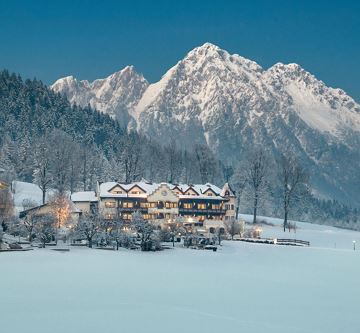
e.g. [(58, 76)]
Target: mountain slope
[(115, 95), (231, 103)]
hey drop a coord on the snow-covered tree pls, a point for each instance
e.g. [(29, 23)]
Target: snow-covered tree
[(42, 171), (294, 182), (145, 230), (45, 228), (232, 227), (88, 227), (257, 175)]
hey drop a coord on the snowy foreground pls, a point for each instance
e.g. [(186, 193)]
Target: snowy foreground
[(241, 288)]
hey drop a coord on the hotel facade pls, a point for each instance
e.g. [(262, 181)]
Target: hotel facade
[(159, 201)]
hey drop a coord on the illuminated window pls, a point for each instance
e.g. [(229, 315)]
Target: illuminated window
[(171, 205), (109, 216), (109, 204), (187, 205), (128, 204), (144, 204), (201, 206), (126, 216), (213, 206)]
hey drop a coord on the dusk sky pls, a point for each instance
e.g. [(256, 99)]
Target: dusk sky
[(92, 39)]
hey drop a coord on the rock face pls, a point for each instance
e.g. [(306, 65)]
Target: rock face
[(231, 104), (115, 95)]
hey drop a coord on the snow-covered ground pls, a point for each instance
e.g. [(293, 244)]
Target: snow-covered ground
[(318, 235), (241, 288)]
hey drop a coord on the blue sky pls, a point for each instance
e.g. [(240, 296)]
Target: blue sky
[(92, 39)]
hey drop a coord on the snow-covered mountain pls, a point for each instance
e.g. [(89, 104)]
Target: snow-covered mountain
[(232, 103), (116, 95)]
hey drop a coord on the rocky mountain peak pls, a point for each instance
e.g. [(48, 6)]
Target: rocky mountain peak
[(231, 103)]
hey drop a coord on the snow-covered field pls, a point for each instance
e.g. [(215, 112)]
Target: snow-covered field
[(241, 288)]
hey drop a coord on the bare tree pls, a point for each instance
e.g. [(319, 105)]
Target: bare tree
[(131, 157), (173, 161), (294, 183), (232, 227), (75, 167), (1, 235), (42, 165), (239, 183), (219, 234), (61, 209), (28, 225), (256, 173), (28, 203), (6, 206), (207, 163), (62, 146)]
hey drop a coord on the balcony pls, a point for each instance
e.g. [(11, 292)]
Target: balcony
[(203, 211), (132, 209)]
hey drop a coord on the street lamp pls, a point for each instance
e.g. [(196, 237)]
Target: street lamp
[(354, 243)]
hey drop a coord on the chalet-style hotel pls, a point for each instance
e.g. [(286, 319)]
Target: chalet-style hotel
[(159, 201)]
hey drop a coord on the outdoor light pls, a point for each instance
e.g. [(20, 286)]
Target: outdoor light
[(354, 243), (275, 241)]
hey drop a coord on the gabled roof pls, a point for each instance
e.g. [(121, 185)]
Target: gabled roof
[(149, 188), (227, 191), (191, 188), (136, 185), (117, 185), (72, 208)]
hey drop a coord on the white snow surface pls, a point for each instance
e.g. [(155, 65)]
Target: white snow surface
[(27, 191), (242, 287)]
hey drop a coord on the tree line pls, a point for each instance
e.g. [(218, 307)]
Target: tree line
[(45, 140)]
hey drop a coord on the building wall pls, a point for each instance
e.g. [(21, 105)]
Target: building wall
[(83, 206), (230, 207)]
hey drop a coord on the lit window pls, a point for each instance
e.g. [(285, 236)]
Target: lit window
[(201, 206), (135, 192), (128, 204), (171, 205), (187, 205), (109, 204)]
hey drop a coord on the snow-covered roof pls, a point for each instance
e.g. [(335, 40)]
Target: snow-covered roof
[(227, 191), (84, 196), (148, 188)]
